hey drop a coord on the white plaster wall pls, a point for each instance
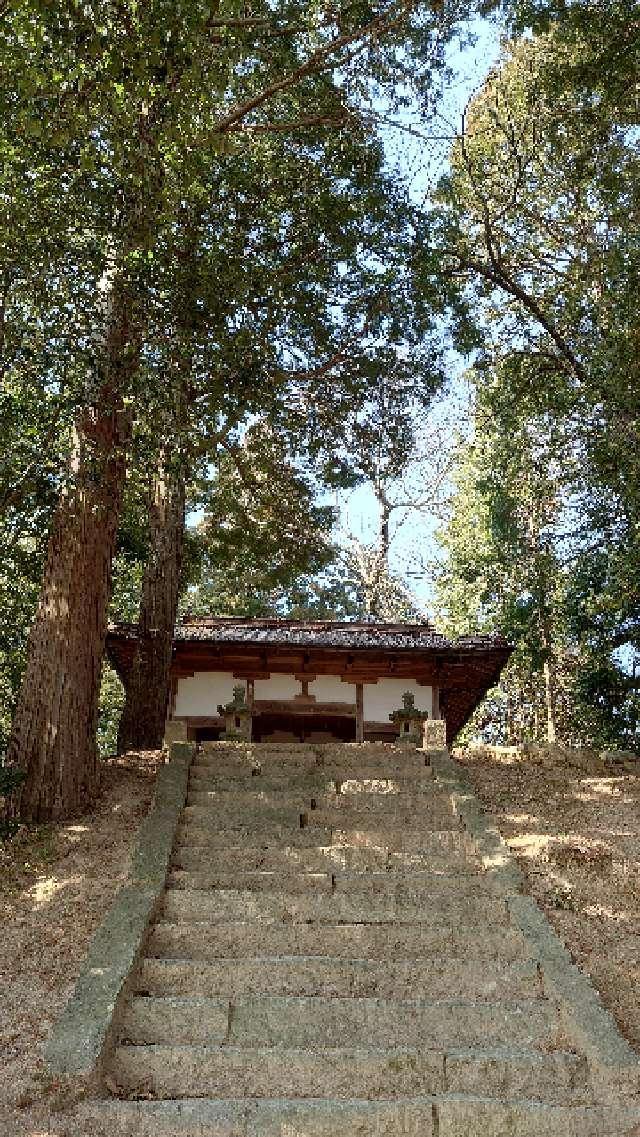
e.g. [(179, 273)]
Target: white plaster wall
[(277, 687), (201, 693), (386, 695), (331, 689)]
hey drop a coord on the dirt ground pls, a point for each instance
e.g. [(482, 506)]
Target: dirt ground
[(577, 837), (55, 886)]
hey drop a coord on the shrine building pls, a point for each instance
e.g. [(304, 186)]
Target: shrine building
[(279, 680)]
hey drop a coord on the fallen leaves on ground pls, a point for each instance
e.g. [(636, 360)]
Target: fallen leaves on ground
[(56, 883)]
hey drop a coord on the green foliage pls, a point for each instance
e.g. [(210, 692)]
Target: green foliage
[(262, 532), (111, 704), (539, 216)]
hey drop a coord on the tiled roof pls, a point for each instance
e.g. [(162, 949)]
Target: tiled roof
[(307, 633)]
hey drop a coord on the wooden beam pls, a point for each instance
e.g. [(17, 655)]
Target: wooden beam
[(435, 706), (359, 712), (290, 707)]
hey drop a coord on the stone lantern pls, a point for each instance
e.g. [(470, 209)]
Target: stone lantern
[(237, 717), (409, 721)]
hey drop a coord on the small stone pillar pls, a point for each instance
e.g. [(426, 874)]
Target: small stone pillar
[(409, 721), (237, 717), (435, 734), (175, 730)]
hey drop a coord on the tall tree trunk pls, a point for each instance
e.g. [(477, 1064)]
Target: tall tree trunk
[(54, 727), (550, 699), (143, 718)]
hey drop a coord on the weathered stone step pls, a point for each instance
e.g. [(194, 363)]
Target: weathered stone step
[(291, 883), (397, 838), (312, 975), (364, 810), (468, 1116), (321, 1022), (254, 798), (389, 787), (343, 1072), (199, 904), (414, 767), (328, 859), (414, 882), (446, 941), (393, 803), (228, 765), (364, 841), (275, 764), (204, 778), (442, 1116), (403, 886), (216, 833), (254, 810), (348, 827)]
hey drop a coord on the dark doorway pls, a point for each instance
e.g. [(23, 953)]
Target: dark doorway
[(304, 728), (207, 733)]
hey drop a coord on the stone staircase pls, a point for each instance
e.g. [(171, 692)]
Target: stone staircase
[(331, 960)]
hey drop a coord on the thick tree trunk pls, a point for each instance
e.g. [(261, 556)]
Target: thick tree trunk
[(54, 728), (143, 717)]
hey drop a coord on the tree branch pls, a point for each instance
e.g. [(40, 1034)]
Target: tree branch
[(314, 63)]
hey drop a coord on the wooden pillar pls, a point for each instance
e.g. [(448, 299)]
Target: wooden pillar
[(435, 693), (359, 712), (250, 697)]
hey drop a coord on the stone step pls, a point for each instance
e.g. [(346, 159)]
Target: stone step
[(469, 1116), (291, 883), (413, 768), (390, 787), (442, 1116), (275, 764), (396, 837), (343, 1072), (347, 827), (402, 886), (200, 904), (393, 803), (252, 811), (320, 1022), (228, 765), (205, 777), (445, 941), (368, 842), (414, 882), (316, 859), (216, 833), (254, 798), (365, 811), (312, 975)]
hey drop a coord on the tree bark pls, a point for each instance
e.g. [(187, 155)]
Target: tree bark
[(54, 727), (143, 718), (550, 700)]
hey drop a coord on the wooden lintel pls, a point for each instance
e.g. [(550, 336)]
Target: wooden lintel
[(305, 677), (290, 707), (251, 673)]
